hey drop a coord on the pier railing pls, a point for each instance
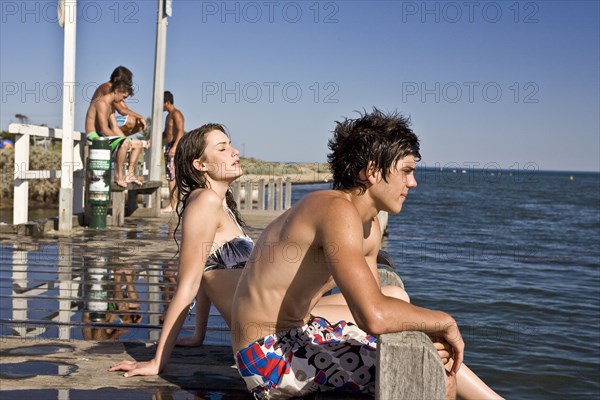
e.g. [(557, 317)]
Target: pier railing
[(22, 174), (278, 193)]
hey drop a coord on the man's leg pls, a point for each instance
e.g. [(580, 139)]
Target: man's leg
[(170, 177), (173, 194), (172, 197), (121, 155), (134, 155)]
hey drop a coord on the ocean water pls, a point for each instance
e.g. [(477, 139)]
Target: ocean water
[(515, 259)]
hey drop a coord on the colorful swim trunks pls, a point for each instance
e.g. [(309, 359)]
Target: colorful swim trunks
[(317, 357), (113, 141), (169, 163)]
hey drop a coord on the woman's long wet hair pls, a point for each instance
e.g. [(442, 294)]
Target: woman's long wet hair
[(192, 146)]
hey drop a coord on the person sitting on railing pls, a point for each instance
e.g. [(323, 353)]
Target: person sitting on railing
[(128, 121), (100, 121)]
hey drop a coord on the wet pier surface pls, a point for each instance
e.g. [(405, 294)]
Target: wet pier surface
[(72, 305), (34, 369)]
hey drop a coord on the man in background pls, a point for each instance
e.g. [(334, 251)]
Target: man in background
[(171, 136), (128, 121)]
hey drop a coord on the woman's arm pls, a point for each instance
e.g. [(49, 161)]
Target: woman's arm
[(199, 226), (202, 311)]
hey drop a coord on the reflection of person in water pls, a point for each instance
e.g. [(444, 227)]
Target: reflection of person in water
[(103, 333), (122, 308), (126, 297)]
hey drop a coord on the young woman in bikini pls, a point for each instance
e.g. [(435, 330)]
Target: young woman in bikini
[(213, 247)]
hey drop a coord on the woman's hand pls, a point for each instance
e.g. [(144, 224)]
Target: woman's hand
[(133, 368)]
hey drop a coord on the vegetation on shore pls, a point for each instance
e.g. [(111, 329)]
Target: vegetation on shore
[(41, 190), (47, 190), (297, 172)]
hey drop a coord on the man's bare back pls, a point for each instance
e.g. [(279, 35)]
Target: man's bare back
[(295, 274)]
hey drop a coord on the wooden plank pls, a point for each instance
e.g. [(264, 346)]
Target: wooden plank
[(21, 186), (37, 174), (118, 208), (279, 195), (41, 131), (409, 367)]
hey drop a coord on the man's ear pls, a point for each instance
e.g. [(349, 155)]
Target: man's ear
[(371, 173)]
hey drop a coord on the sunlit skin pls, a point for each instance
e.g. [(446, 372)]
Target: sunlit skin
[(134, 124), (205, 225), (174, 131), (338, 236), (101, 118)]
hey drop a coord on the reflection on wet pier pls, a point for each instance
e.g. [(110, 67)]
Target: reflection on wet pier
[(95, 284), (70, 305)]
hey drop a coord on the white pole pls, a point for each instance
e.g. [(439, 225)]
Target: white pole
[(65, 210), (158, 96)]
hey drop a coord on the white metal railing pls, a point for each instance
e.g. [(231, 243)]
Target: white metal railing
[(22, 173), (250, 191)]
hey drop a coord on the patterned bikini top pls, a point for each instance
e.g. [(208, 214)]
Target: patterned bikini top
[(232, 254)]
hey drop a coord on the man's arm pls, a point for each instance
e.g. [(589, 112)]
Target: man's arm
[(104, 114), (122, 108), (177, 131), (372, 246), (340, 232)]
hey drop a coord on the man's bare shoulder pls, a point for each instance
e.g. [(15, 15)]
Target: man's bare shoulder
[(102, 90), (176, 113), (323, 207)]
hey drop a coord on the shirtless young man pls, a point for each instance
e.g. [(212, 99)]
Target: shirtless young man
[(171, 136), (282, 347), (128, 121), (100, 121)]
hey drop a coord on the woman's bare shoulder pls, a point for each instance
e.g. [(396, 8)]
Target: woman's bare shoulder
[(205, 199)]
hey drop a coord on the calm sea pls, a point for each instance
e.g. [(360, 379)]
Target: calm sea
[(515, 258)]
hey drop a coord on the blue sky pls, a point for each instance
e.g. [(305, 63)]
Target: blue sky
[(487, 83)]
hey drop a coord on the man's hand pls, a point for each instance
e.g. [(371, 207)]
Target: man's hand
[(142, 122), (443, 348), (134, 368), (452, 335)]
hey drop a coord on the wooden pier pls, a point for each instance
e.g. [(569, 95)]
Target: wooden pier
[(50, 270)]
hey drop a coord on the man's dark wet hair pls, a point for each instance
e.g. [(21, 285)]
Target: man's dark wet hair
[(121, 74), (168, 97), (123, 86), (381, 138)]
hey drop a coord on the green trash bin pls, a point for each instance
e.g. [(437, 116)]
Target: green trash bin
[(98, 178)]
